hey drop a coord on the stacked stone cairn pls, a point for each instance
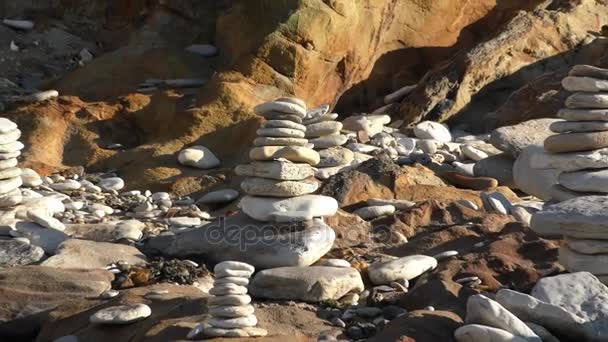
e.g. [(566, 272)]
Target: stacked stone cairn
[(325, 137), (582, 136), (10, 174), (232, 315), (578, 151), (280, 182)]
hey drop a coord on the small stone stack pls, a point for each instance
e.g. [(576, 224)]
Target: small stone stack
[(582, 134), (10, 174), (325, 137), (583, 222), (280, 179), (232, 315)]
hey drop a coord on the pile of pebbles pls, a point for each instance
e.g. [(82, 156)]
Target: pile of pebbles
[(232, 314), (280, 182), (582, 133), (10, 174)]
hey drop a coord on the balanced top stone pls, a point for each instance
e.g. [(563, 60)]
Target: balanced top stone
[(7, 125), (280, 107), (588, 71)]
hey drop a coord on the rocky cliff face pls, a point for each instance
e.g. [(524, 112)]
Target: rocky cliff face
[(471, 61)]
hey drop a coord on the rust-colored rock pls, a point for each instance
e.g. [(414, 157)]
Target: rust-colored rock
[(467, 182)]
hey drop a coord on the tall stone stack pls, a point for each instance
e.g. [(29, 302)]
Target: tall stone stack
[(280, 182), (232, 314), (579, 153), (10, 174), (323, 132), (581, 141)]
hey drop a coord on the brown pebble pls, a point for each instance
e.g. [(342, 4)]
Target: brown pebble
[(574, 142), (467, 182)]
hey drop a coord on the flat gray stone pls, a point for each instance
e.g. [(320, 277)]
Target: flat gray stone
[(280, 133), (309, 284), (229, 300), (587, 246), (326, 117), (513, 139), (374, 211), (227, 289), (335, 156), (240, 238), (16, 252), (8, 163), (231, 311), (581, 294), (584, 84), (219, 197), (585, 181), (328, 141), (576, 142), (280, 170), (587, 100), (578, 126), (583, 114), (323, 128), (581, 217), (234, 266), (279, 141), (588, 71), (283, 124), (276, 188), (9, 155), (578, 262), (280, 107)]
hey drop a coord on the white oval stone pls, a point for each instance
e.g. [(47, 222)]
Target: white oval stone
[(230, 323), (264, 208), (10, 173), (11, 147), (10, 184), (112, 183), (199, 157), (67, 185), (234, 266), (231, 311), (432, 130), (227, 289), (242, 281), (122, 314), (232, 300), (408, 268), (7, 125), (10, 136)]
